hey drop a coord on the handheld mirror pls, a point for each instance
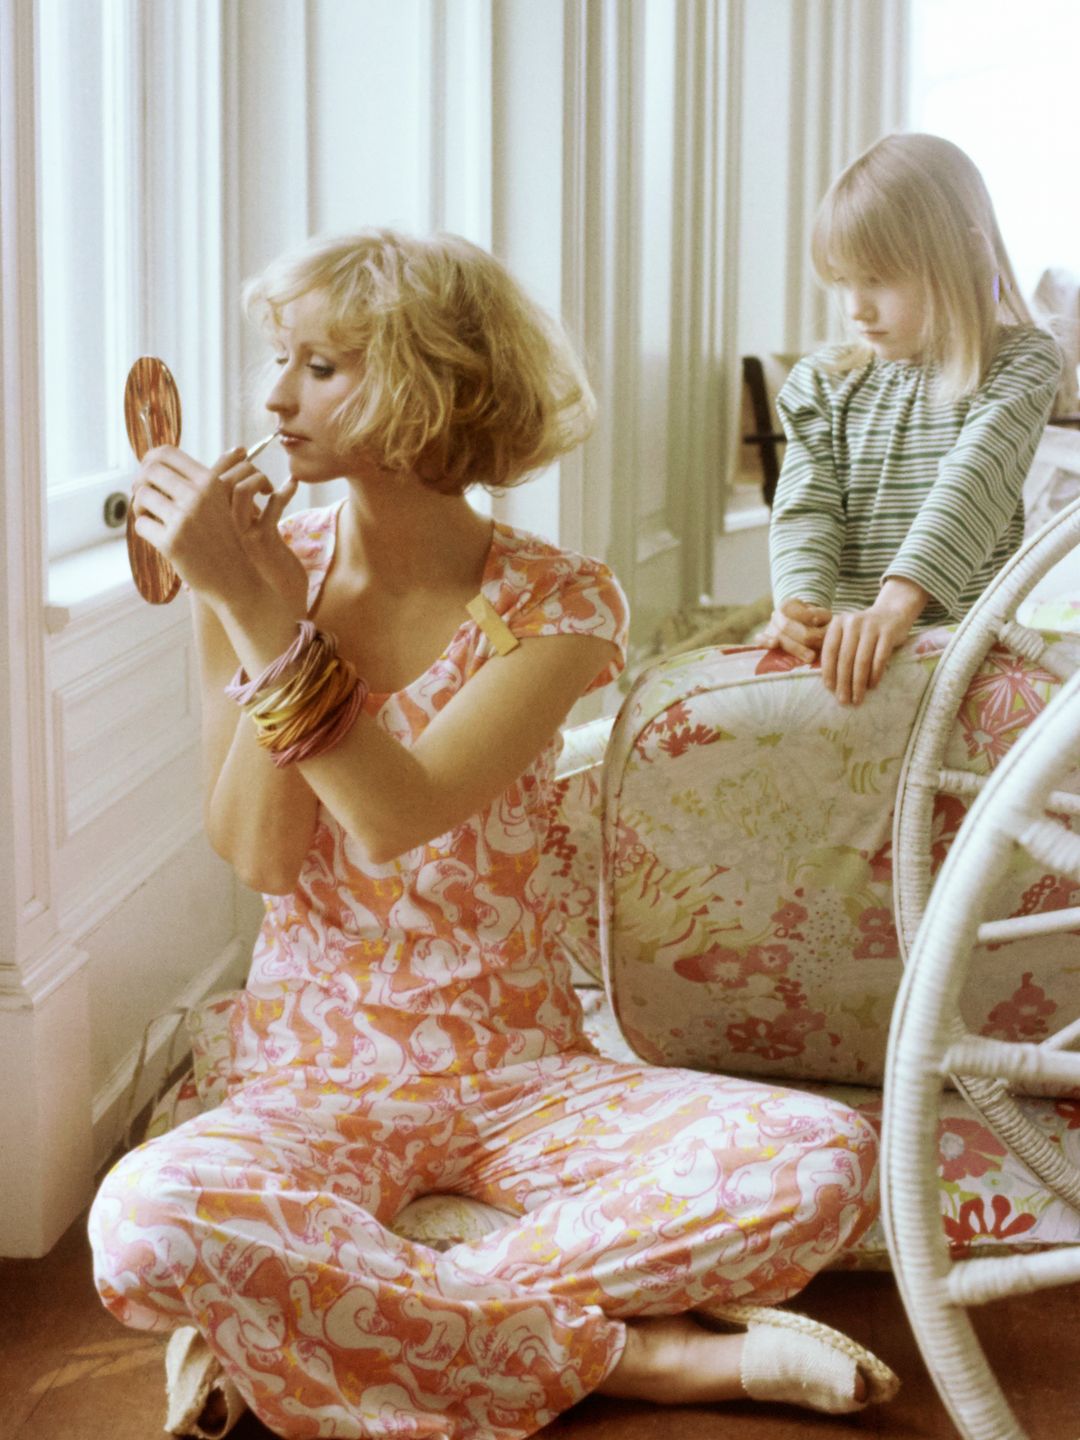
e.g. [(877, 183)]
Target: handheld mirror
[(152, 417)]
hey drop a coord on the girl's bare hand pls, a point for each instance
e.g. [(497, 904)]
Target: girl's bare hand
[(798, 628), (856, 651), (858, 646)]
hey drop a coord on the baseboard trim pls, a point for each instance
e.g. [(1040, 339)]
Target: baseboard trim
[(113, 1101)]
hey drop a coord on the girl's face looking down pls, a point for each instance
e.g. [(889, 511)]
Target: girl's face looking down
[(314, 380), (889, 315)]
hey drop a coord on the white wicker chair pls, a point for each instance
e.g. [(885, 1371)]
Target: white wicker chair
[(924, 776), (928, 1040)]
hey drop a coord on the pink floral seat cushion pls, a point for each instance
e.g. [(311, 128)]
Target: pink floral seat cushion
[(570, 862), (747, 865)]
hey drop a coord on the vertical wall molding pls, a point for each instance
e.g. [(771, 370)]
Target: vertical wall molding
[(42, 977), (276, 133), (576, 517), (462, 143), (24, 743), (705, 275), (228, 80), (849, 90), (619, 187), (434, 60), (604, 185), (728, 152)]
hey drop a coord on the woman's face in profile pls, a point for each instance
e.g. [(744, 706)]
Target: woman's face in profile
[(314, 380)]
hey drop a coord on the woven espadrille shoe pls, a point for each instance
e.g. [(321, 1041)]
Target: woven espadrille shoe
[(790, 1359), (202, 1402)]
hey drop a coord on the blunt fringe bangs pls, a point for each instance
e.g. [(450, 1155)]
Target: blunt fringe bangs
[(465, 380), (915, 207)]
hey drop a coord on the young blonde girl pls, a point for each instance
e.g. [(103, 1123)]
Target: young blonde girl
[(408, 1025), (900, 495)]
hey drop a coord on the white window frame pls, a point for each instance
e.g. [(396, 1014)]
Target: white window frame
[(170, 249), (75, 502)]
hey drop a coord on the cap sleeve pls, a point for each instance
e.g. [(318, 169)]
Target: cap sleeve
[(541, 590), (584, 598)]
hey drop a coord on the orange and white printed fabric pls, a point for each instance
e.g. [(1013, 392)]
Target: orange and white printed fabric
[(444, 959), (411, 1028)]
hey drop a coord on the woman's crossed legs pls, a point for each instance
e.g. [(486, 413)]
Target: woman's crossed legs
[(641, 1192)]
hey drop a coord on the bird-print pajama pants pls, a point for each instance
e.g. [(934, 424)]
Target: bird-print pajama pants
[(636, 1191)]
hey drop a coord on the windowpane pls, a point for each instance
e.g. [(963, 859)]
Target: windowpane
[(87, 203), (1002, 87)]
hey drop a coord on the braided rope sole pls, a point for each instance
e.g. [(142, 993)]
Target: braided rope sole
[(881, 1382)]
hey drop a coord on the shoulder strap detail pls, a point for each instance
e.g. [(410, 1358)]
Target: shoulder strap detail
[(502, 638)]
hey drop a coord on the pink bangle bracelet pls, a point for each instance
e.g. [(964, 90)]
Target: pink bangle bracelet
[(244, 691), (294, 715)]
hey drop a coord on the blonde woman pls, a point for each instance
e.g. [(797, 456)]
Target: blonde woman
[(382, 768), (900, 495)]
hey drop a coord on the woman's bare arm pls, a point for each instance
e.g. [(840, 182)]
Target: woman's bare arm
[(259, 818), (390, 797)]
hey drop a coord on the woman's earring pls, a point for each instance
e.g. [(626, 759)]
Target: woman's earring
[(997, 288)]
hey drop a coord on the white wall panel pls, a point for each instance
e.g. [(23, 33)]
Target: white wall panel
[(116, 727), (461, 142), (369, 114), (765, 191), (149, 947), (527, 218), (268, 142)]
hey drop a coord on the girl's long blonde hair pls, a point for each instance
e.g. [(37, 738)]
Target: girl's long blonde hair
[(915, 207), (464, 380)]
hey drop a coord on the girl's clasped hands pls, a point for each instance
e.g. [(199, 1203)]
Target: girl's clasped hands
[(854, 646)]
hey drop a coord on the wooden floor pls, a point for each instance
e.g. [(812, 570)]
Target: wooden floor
[(68, 1371)]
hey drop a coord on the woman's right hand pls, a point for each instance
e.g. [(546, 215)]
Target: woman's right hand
[(798, 628), (183, 509), (257, 527), (207, 523)]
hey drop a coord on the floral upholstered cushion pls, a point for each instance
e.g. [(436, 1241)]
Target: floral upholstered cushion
[(990, 1202), (747, 868), (570, 862)]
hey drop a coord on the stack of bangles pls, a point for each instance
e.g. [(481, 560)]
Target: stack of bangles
[(305, 701)]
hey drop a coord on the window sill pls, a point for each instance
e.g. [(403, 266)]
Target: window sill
[(745, 511), (88, 583)]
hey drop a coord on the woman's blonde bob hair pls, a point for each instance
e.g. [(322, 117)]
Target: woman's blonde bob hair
[(915, 207), (463, 379)]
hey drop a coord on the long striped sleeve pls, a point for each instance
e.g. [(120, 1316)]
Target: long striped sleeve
[(973, 518), (806, 531), (914, 485)]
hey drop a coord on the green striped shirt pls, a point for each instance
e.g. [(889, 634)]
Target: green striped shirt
[(882, 476)]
